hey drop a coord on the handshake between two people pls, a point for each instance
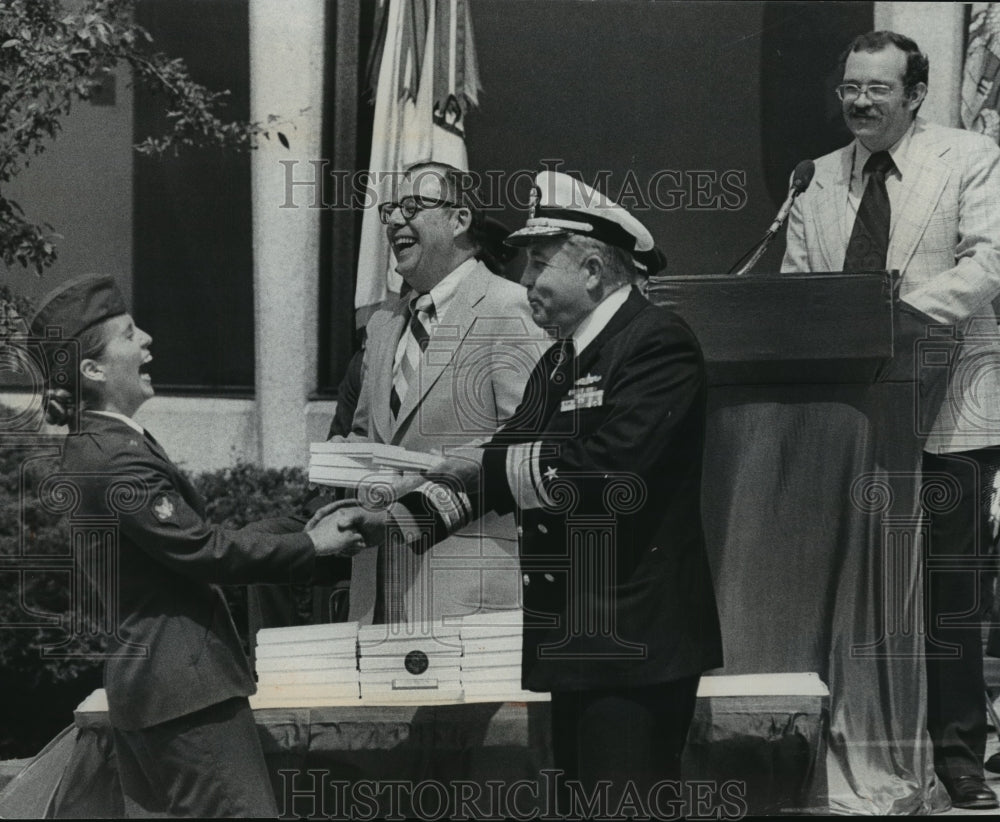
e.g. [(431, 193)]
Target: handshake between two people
[(347, 526)]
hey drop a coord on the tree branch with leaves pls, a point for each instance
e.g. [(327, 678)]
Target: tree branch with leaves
[(52, 56)]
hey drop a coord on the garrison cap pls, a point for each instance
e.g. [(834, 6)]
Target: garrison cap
[(561, 205), (77, 305)]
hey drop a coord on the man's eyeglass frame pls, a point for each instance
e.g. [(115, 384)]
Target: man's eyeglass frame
[(877, 92), (409, 206)]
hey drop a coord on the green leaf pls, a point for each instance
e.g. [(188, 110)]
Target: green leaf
[(283, 139)]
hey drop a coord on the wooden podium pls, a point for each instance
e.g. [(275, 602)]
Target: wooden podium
[(822, 388)]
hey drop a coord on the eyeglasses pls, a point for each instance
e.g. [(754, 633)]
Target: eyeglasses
[(409, 206), (877, 92)]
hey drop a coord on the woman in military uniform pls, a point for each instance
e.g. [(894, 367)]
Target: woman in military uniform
[(176, 676)]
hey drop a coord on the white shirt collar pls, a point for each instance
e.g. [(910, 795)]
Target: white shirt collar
[(116, 416), (898, 151), (594, 323), (444, 291)]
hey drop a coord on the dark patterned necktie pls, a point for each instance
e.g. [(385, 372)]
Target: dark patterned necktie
[(869, 243)]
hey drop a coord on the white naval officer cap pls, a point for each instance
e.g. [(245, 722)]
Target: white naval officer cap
[(561, 204)]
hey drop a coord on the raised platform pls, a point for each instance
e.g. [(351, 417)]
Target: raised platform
[(757, 746)]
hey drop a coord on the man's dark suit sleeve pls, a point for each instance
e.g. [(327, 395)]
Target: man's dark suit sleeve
[(347, 397), (645, 401)]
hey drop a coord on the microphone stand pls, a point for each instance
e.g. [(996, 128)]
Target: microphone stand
[(757, 251), (801, 178)]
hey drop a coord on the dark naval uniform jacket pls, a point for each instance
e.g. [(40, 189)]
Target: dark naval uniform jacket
[(181, 649), (602, 462)]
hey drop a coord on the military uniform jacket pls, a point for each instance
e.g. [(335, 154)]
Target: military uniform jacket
[(602, 463), (176, 649)]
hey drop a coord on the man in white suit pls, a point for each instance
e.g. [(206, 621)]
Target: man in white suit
[(453, 382), (933, 196)]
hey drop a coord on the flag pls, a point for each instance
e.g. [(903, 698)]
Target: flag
[(980, 86), (425, 77)]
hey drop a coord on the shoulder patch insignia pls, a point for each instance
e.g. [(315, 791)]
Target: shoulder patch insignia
[(163, 508)]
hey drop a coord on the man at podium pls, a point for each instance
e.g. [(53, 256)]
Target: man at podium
[(924, 200)]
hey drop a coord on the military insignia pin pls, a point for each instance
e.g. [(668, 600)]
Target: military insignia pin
[(534, 196), (163, 508)]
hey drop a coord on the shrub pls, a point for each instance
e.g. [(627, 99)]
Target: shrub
[(246, 493)]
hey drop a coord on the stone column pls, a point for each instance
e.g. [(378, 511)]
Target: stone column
[(287, 68)]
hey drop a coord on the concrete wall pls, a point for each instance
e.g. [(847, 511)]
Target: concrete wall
[(939, 30), (204, 434)]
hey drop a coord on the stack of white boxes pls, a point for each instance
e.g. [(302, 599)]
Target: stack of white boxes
[(307, 666), (476, 660), (353, 464), (491, 659), (400, 667)]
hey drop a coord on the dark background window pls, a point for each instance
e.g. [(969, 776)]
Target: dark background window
[(349, 115), (193, 255)]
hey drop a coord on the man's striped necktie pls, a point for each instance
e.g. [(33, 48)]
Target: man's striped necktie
[(417, 336)]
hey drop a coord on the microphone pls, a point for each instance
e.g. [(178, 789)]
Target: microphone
[(801, 178)]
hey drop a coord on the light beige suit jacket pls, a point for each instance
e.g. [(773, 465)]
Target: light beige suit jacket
[(945, 242), (470, 381)]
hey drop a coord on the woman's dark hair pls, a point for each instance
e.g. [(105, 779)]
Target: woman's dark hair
[(59, 402)]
